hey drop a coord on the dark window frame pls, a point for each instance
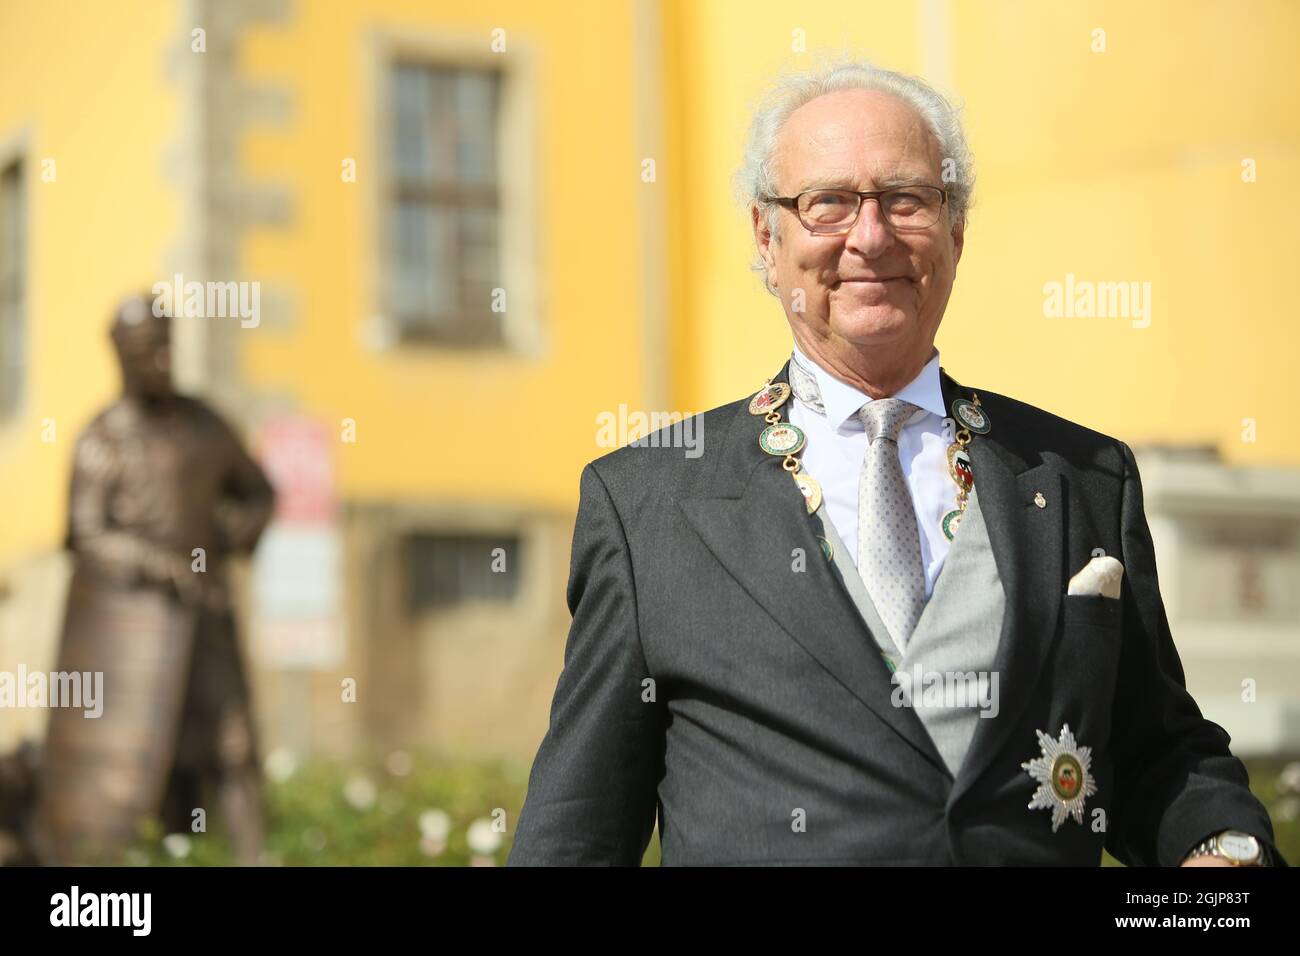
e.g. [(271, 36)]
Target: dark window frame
[(464, 557), (468, 326)]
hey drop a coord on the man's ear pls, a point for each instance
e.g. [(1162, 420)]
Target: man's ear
[(762, 235), (958, 241)]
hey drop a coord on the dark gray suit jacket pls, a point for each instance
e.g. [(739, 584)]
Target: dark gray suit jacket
[(707, 681)]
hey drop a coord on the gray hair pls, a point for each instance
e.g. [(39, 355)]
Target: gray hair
[(756, 180)]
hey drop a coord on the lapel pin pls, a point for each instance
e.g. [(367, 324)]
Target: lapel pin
[(1064, 782), (1039, 499)]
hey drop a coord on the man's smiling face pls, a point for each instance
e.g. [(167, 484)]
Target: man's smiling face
[(875, 288)]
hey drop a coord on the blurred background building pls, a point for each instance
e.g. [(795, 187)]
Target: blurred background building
[(476, 228)]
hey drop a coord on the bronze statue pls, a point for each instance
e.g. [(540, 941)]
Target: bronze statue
[(162, 494), (18, 771)]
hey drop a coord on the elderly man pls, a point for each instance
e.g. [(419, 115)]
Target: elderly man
[(886, 617)]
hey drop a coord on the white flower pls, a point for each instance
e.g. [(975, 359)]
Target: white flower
[(177, 845), (360, 792), (1288, 809), (281, 764), (435, 824), (482, 839), (1291, 777)]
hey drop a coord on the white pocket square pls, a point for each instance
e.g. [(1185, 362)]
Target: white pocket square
[(1101, 576)]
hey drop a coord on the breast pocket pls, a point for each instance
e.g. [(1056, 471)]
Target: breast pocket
[(1093, 610), (1087, 662)]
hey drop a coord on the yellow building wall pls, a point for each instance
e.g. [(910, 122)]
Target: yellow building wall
[(1122, 165), (448, 424), (1112, 166), (86, 90), (430, 424)]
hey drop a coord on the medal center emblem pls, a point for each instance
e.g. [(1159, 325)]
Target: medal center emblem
[(1066, 777)]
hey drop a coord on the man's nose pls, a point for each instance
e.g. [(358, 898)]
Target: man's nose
[(870, 235)]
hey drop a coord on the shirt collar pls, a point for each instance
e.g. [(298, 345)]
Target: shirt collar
[(842, 400)]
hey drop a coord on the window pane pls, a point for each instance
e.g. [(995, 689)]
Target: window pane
[(412, 130), (446, 136), (479, 246), (424, 261), (477, 109)]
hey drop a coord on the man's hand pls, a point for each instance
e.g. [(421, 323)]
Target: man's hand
[(1205, 859)]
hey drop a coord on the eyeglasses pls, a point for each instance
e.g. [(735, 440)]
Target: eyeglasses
[(833, 212)]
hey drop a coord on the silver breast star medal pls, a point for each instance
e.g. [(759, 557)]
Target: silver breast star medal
[(1063, 778)]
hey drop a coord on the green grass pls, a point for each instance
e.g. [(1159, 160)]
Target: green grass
[(312, 822)]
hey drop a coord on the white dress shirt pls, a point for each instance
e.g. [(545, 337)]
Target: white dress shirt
[(837, 445)]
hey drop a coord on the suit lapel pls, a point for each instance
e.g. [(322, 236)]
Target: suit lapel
[(751, 518), (1028, 544)]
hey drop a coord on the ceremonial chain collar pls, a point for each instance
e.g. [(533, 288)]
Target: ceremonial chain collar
[(786, 440)]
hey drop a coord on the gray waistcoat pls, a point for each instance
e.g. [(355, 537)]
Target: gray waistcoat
[(958, 634)]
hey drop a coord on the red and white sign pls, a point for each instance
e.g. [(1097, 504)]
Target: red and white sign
[(298, 455), (297, 566)]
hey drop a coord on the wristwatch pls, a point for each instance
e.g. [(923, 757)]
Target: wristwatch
[(1239, 849)]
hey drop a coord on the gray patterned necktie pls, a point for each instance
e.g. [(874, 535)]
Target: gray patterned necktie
[(889, 546), (804, 385)]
